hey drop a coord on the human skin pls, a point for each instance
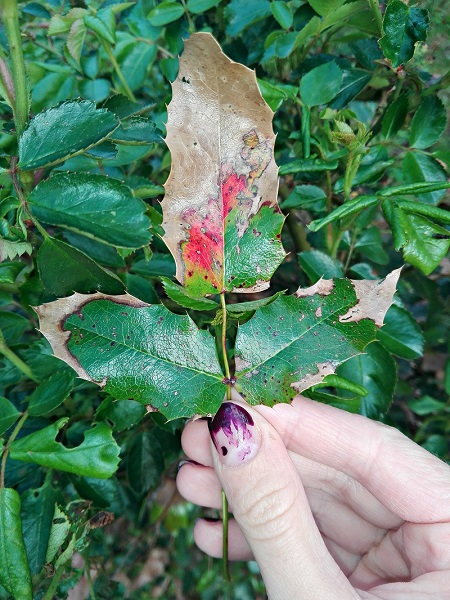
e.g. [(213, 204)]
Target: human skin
[(333, 506)]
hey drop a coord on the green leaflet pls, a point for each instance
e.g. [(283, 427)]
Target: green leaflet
[(116, 217), (63, 131), (140, 352), (96, 456), (292, 343), (14, 570)]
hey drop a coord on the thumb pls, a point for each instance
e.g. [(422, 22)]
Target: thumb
[(271, 508)]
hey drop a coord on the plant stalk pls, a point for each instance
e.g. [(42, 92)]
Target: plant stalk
[(51, 590), (225, 561), (21, 106), (11, 439), (16, 360), (306, 131), (118, 71)]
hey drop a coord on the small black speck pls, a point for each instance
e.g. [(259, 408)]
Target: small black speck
[(224, 451)]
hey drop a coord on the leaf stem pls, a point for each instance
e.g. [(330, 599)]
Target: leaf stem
[(16, 360), (21, 106), (11, 439), (118, 70), (50, 593), (306, 131), (225, 561)]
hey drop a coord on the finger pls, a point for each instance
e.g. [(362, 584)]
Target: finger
[(208, 536), (196, 443), (271, 508), (200, 485), (407, 479)]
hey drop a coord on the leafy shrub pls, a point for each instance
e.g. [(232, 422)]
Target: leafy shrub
[(363, 177)]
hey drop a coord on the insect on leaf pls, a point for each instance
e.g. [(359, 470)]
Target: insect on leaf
[(221, 218)]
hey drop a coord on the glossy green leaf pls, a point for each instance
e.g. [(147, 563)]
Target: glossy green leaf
[(345, 210), (403, 27), (137, 351), (341, 383), (38, 508), (353, 83), (103, 24), (95, 89), (145, 462), (282, 13), (178, 294), (10, 270), (12, 326), (75, 39), (325, 7), (414, 188), (306, 197), (63, 270), (317, 264), (55, 134), (426, 405), (400, 334), (242, 13), (419, 168), (159, 265), (165, 13), (124, 414), (234, 310), (15, 574), (58, 533), (96, 456), (50, 393), (395, 116), (197, 7), (137, 64), (292, 343), (415, 235), (433, 212), (321, 85), (369, 244), (428, 123), (136, 131), (116, 217), (8, 414), (102, 492), (310, 165), (376, 371)]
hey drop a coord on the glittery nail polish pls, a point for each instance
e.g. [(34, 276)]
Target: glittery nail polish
[(234, 434)]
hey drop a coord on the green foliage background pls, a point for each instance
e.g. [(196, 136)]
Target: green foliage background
[(359, 126)]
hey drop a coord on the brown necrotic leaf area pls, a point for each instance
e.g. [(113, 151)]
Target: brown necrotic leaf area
[(220, 208)]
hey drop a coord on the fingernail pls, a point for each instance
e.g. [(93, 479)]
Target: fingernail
[(187, 461), (234, 435)]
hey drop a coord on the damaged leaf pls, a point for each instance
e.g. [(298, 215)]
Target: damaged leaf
[(136, 351), (221, 218), (294, 342)]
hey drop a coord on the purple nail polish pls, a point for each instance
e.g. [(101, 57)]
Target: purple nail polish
[(234, 434)]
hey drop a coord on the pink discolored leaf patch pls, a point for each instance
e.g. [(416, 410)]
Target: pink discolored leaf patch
[(221, 217)]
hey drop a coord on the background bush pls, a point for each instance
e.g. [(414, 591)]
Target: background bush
[(356, 116)]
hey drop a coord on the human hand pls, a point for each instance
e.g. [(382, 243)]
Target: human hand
[(331, 505)]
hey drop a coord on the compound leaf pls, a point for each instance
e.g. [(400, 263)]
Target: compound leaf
[(136, 351), (294, 342), (221, 218)]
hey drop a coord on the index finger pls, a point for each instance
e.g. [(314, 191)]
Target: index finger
[(411, 482)]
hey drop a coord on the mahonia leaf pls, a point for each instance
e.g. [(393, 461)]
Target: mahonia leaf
[(136, 351), (221, 218), (294, 342)]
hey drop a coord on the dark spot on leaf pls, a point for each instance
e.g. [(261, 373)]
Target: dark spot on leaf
[(124, 313), (93, 326), (186, 80), (224, 451), (112, 343)]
